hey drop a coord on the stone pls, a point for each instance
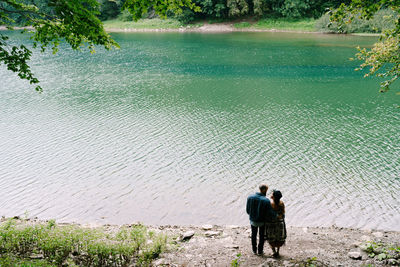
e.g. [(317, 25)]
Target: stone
[(392, 262), (356, 244), (234, 246), (207, 227), (286, 263), (36, 256), (378, 234), (355, 255), (268, 262), (160, 262), (187, 235), (211, 233)]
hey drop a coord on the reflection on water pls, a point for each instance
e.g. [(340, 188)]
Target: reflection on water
[(180, 128)]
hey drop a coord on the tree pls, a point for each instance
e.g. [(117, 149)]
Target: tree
[(74, 21), (383, 59)]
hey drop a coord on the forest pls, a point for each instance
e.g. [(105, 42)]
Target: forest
[(213, 9)]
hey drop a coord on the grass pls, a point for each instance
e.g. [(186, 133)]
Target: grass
[(22, 244), (143, 24), (307, 25), (242, 25)]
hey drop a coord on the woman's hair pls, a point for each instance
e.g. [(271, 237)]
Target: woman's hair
[(277, 195)]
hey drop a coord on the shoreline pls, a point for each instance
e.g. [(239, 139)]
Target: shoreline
[(209, 28), (220, 245)]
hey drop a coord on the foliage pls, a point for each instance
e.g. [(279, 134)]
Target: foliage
[(286, 24), (79, 246), (383, 60), (384, 19), (381, 251), (236, 261)]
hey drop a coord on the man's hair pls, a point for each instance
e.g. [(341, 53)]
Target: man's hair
[(263, 187)]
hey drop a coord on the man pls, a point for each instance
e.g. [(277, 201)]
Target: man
[(260, 211)]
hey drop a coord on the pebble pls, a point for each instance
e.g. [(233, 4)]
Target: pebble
[(211, 233), (160, 262), (187, 235), (267, 263), (207, 227), (355, 255), (234, 246), (36, 256)]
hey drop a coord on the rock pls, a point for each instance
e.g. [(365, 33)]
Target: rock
[(268, 262), (234, 246), (211, 233), (305, 229), (356, 244), (355, 255), (207, 227), (286, 263), (392, 262), (378, 234), (232, 226), (160, 262), (36, 256), (187, 235)]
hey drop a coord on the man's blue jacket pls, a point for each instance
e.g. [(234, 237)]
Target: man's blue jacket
[(259, 208)]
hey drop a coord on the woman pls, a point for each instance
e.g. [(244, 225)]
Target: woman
[(275, 231)]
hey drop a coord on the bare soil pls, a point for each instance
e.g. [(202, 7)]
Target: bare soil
[(220, 246)]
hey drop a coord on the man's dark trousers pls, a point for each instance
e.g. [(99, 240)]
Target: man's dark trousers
[(254, 230)]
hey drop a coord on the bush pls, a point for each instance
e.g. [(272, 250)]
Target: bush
[(125, 16), (383, 20), (187, 16)]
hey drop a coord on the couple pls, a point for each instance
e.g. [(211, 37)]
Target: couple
[(268, 218)]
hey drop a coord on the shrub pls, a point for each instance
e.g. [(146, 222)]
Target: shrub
[(383, 20)]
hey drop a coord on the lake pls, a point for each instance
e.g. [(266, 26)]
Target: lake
[(179, 128)]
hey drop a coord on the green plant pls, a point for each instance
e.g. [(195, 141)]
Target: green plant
[(242, 25), (236, 261), (76, 246), (381, 251)]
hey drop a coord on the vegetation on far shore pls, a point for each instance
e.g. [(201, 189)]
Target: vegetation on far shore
[(383, 20), (23, 243)]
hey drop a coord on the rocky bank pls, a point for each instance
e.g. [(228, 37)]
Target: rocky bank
[(220, 245)]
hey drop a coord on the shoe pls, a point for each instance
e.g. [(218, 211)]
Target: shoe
[(275, 255), (260, 253)]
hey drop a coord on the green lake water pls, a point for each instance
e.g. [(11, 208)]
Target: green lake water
[(179, 128)]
